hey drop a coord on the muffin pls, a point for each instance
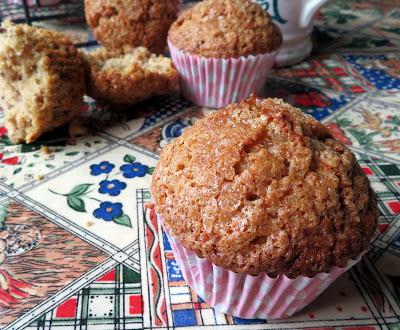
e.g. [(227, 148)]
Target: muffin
[(41, 81), (223, 50), (123, 78), (261, 199), (120, 24)]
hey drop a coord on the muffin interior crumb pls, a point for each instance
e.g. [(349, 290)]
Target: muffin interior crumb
[(31, 78), (124, 77), (128, 62), (20, 85)]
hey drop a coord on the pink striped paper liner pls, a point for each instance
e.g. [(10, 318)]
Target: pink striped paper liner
[(246, 296), (217, 82)]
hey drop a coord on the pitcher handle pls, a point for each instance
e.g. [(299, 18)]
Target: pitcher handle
[(309, 10)]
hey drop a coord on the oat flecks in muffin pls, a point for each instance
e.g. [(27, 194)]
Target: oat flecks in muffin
[(41, 80), (124, 78), (261, 187), (131, 23), (225, 29)]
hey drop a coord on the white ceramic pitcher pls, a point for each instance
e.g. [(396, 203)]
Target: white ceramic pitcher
[(296, 20)]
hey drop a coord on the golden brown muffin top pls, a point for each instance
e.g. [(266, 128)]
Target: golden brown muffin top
[(261, 187), (225, 29), (131, 23)]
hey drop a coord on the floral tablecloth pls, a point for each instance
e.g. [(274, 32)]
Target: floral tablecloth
[(80, 247)]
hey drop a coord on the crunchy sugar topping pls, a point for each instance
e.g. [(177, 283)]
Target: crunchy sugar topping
[(261, 187), (224, 29)]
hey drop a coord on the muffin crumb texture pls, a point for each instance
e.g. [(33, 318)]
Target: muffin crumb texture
[(41, 81), (225, 29), (123, 78), (119, 24), (262, 187)]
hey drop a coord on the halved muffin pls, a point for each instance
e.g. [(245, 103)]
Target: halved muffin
[(123, 78), (41, 80)]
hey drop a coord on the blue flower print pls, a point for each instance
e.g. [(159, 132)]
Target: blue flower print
[(111, 187), (108, 211), (102, 168), (134, 170)]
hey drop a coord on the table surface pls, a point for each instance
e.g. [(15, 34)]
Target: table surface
[(72, 267)]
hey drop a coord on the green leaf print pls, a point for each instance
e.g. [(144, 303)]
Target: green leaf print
[(76, 203), (338, 16), (79, 190), (394, 30), (44, 142), (4, 140), (123, 220), (74, 199), (394, 120), (363, 138), (394, 326), (344, 122), (150, 170), (129, 159), (19, 169), (3, 214), (356, 42), (30, 147)]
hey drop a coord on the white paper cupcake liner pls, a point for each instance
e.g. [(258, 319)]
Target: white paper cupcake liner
[(217, 82), (246, 296)]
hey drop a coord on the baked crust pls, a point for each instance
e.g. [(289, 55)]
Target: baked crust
[(124, 78), (121, 24), (261, 187), (41, 80), (225, 29)]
